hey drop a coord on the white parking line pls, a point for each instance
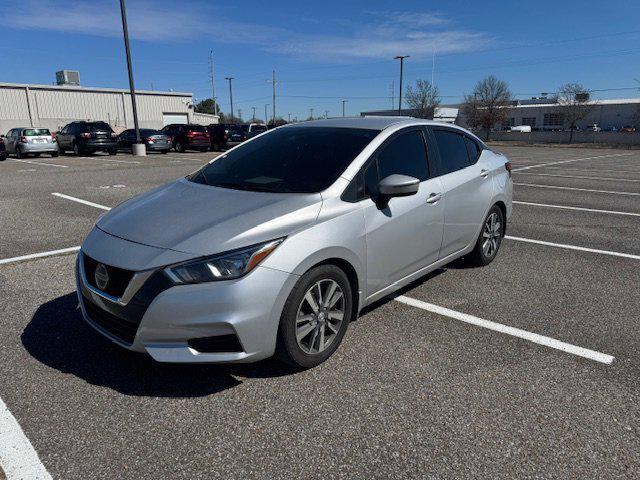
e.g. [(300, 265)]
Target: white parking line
[(39, 163), (572, 160), (598, 170), (514, 332), (582, 209), (578, 176), (79, 200), (32, 256), (18, 458), (108, 159), (577, 189), (574, 247)]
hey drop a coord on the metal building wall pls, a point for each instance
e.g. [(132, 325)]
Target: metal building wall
[(53, 107)]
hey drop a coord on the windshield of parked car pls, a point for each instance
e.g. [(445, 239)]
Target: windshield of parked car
[(36, 132), (145, 132), (288, 160), (259, 128)]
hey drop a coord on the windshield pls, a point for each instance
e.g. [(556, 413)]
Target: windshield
[(148, 132), (259, 128), (35, 132), (288, 160), (197, 128)]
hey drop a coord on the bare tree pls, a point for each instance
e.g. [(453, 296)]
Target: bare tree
[(487, 105), (423, 98), (574, 103)]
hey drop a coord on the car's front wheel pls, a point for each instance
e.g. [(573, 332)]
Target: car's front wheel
[(179, 147), (315, 317), (489, 240)]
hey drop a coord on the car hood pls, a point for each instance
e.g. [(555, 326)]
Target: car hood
[(203, 220)]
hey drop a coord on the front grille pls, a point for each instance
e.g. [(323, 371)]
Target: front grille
[(117, 326), (119, 278)]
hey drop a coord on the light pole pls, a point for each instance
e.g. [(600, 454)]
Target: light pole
[(253, 119), (311, 110), (343, 102), (289, 117), (266, 119), (401, 58), (139, 148), (230, 93)]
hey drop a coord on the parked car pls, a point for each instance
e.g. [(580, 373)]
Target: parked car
[(187, 137), (26, 141), (628, 129), (610, 128), (277, 245), (521, 128), (250, 130), (593, 127), (3, 151), (218, 136), (88, 137), (235, 134), (154, 140)]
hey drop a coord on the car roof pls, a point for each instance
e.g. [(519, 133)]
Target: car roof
[(368, 122)]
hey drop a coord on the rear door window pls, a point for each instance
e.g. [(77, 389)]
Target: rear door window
[(453, 150), (99, 127), (473, 150)]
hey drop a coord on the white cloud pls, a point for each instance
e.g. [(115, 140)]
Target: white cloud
[(147, 20), (380, 35)]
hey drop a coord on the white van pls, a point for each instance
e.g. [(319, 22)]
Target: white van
[(521, 128)]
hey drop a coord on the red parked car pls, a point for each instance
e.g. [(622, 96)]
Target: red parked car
[(187, 137)]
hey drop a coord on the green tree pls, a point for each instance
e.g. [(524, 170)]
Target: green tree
[(208, 105)]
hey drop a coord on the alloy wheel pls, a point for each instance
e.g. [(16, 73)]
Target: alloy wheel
[(492, 235), (320, 315)]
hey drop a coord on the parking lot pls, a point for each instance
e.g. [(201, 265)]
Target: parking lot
[(527, 368)]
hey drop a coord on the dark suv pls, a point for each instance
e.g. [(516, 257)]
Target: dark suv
[(88, 137), (187, 137), (3, 150)]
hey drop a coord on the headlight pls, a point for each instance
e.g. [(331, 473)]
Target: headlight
[(223, 266)]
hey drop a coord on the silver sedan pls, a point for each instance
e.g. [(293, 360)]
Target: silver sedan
[(275, 246)]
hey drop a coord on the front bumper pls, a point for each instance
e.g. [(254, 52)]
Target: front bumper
[(249, 308)]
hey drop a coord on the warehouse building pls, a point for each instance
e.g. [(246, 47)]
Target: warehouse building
[(53, 106), (545, 114)]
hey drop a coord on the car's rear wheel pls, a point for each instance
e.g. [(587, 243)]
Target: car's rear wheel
[(315, 317), (489, 240)]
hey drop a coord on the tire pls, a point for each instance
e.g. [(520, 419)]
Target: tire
[(55, 154), (179, 147), (322, 323), (484, 253), (164, 151), (19, 153), (76, 150), (37, 155), (3, 156), (216, 147), (113, 152)]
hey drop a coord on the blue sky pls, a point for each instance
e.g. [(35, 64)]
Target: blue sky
[(326, 51)]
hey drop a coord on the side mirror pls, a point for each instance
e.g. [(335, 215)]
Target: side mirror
[(398, 186)]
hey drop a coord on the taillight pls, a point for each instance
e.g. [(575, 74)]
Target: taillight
[(191, 134), (508, 167), (150, 140), (85, 135), (23, 139), (54, 137)]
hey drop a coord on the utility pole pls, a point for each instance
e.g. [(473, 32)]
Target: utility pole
[(253, 119), (326, 114), (311, 110), (212, 77), (343, 102), (401, 58), (240, 114), (289, 117), (266, 118), (139, 149), (273, 112), (230, 93), (393, 93)]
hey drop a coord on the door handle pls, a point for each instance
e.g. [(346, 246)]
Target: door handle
[(484, 173), (434, 197)]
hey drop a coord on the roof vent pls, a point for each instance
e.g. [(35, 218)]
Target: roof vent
[(68, 77)]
